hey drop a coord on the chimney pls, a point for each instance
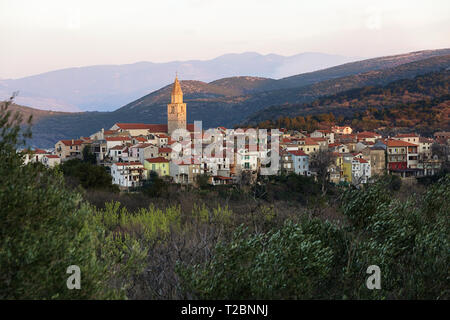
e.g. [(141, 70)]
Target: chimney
[(73, 141), (103, 130)]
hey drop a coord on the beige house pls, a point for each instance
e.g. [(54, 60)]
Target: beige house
[(342, 130), (407, 137), (185, 172), (308, 145), (70, 149), (376, 156)]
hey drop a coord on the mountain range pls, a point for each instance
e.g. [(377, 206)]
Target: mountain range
[(236, 100), (107, 87)]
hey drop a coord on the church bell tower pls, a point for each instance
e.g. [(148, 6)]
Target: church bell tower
[(176, 110)]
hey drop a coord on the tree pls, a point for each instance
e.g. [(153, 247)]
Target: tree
[(154, 186), (88, 175), (320, 162), (316, 259), (201, 181), (88, 155), (45, 228)]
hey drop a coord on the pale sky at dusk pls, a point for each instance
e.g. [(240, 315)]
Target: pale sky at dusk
[(44, 35)]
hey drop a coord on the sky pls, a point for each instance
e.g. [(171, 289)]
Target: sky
[(45, 35)]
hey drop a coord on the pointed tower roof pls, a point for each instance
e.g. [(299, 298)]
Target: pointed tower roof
[(176, 90)]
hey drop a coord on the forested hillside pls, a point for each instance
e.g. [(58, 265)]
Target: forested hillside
[(422, 103)]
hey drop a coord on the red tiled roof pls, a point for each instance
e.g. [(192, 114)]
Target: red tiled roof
[(117, 147), (400, 143), (309, 141), (72, 142), (143, 145), (38, 151), (331, 145), (361, 160), (165, 150), (52, 156), (157, 160)]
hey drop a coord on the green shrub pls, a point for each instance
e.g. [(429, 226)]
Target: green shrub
[(45, 228), (408, 240)]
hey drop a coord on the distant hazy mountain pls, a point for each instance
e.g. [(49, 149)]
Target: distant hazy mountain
[(234, 100), (353, 68), (107, 87)]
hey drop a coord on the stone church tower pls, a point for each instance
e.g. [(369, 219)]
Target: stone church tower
[(176, 110)]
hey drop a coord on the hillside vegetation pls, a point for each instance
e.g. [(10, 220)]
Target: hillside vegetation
[(422, 104)]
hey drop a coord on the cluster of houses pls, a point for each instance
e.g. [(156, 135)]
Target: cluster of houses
[(132, 151), (359, 156)]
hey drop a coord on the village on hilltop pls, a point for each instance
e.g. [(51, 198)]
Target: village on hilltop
[(131, 151)]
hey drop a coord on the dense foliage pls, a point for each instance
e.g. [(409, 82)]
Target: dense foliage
[(88, 175), (409, 241), (45, 228), (421, 103)]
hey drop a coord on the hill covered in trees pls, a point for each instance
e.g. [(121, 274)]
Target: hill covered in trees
[(422, 103)]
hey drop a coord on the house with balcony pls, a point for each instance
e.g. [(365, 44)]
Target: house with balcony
[(402, 158), (128, 174)]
